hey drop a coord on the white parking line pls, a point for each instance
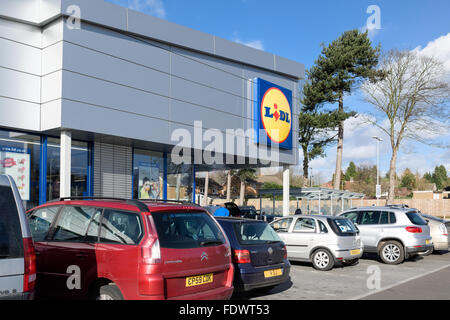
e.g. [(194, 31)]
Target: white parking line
[(398, 283)]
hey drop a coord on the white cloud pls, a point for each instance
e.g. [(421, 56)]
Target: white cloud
[(256, 44), (439, 49), (153, 7), (371, 31)]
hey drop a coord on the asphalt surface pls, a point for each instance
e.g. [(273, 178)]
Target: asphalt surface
[(417, 278)]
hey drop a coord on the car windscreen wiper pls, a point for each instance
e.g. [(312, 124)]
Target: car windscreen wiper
[(210, 243)]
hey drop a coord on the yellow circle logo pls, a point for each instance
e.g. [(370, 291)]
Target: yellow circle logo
[(276, 115)]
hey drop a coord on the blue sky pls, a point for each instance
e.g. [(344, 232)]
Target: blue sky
[(295, 30)]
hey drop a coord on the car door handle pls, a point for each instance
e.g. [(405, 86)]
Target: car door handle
[(81, 255)]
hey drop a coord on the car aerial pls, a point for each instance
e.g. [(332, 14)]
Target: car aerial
[(17, 256), (322, 240), (439, 233), (114, 249), (395, 233), (259, 255)]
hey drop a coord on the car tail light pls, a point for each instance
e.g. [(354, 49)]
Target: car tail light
[(151, 251), (241, 256), (29, 278), (285, 253), (414, 229), (443, 229)]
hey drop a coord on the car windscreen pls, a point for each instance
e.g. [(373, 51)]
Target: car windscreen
[(11, 243), (185, 230), (342, 227), (415, 218), (249, 232)]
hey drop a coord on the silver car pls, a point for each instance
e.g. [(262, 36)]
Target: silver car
[(322, 240), (439, 233), (394, 233), (17, 255)]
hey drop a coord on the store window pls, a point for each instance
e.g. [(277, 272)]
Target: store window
[(79, 168), (148, 174), (19, 158), (179, 181)]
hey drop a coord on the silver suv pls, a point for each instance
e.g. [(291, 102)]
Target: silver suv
[(394, 233), (17, 255), (322, 240)]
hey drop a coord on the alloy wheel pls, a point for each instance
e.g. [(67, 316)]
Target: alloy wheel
[(322, 259), (391, 253)]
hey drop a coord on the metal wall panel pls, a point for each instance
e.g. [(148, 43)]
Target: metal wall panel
[(108, 68)]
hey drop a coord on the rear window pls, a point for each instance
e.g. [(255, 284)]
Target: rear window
[(342, 227), (11, 242), (248, 233), (185, 230), (415, 218)]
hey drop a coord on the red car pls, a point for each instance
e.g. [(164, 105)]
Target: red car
[(127, 249)]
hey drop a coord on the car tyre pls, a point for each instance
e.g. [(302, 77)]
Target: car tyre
[(322, 260), (392, 252), (109, 292)]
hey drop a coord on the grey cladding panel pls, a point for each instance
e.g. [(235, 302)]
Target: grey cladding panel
[(104, 67), (101, 12), (239, 52), (112, 122), (207, 74), (122, 46), (109, 95), (166, 31), (187, 91), (186, 113)]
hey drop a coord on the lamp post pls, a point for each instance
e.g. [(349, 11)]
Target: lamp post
[(378, 187)]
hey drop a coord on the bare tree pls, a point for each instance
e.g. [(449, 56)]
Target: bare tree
[(411, 101)]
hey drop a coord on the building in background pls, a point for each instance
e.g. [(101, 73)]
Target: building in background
[(91, 94)]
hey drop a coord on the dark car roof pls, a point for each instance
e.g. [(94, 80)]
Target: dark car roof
[(236, 219)]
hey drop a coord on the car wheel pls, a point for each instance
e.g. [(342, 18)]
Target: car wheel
[(109, 292), (350, 263), (322, 260), (392, 252)]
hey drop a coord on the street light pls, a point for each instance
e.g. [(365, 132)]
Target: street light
[(378, 187)]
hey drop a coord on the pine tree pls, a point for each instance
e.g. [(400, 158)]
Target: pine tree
[(342, 65)]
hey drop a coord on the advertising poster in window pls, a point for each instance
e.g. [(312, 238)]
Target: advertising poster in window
[(150, 184), (16, 163)]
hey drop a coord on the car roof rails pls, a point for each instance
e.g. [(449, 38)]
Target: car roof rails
[(183, 202), (397, 205), (140, 204)]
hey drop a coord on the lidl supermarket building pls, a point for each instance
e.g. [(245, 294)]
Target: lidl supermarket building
[(94, 97)]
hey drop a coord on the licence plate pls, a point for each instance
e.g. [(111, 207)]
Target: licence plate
[(355, 252), (273, 273), (428, 241), (199, 280)]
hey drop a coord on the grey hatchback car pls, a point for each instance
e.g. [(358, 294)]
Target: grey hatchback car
[(394, 233), (17, 254), (322, 240)]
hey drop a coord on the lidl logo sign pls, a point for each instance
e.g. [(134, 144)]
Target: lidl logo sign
[(273, 114)]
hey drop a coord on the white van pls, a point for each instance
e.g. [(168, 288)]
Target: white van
[(17, 254)]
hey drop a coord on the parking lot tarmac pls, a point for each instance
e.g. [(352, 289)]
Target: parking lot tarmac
[(416, 278)]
